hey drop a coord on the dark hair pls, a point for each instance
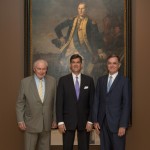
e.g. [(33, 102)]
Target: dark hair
[(113, 55), (75, 56)]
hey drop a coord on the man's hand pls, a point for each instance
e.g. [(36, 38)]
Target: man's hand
[(62, 128), (121, 131), (54, 125), (89, 127), (97, 127), (22, 126)]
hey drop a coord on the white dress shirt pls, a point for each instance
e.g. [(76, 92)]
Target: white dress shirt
[(113, 77), (74, 78)]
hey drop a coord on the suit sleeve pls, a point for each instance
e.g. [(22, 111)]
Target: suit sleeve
[(126, 104), (59, 101), (92, 90), (20, 104), (54, 107), (96, 102)]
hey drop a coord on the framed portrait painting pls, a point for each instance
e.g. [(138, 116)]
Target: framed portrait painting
[(54, 32)]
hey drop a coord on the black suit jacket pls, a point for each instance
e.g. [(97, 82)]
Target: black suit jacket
[(114, 105), (74, 113)]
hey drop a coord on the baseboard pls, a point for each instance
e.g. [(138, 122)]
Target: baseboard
[(59, 147)]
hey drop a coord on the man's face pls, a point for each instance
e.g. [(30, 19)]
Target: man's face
[(76, 66), (40, 70), (113, 65), (81, 10)]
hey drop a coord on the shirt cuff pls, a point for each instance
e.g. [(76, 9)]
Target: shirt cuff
[(89, 122), (60, 123)]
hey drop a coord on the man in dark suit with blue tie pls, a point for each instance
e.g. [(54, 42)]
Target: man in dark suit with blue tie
[(112, 105), (75, 96)]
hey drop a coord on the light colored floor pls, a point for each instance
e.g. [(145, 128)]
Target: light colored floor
[(56, 138)]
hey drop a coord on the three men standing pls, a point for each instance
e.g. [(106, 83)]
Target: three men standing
[(76, 107)]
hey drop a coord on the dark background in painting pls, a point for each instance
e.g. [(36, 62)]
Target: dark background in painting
[(46, 14)]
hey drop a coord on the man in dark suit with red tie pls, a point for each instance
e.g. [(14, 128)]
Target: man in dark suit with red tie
[(75, 95), (112, 105)]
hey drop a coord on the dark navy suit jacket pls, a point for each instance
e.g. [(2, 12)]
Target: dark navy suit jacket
[(114, 105)]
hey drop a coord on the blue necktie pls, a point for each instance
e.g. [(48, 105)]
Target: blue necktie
[(109, 84), (77, 88)]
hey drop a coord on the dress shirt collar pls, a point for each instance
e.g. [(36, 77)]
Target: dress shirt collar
[(113, 75), (74, 78), (36, 78), (74, 75)]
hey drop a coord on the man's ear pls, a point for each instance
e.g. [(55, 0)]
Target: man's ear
[(46, 70)]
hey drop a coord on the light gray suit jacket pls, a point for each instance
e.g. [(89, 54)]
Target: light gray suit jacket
[(37, 116)]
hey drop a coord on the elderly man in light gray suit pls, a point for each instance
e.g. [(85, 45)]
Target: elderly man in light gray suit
[(35, 107)]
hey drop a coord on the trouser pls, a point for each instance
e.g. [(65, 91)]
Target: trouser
[(39, 141), (83, 139), (110, 140)]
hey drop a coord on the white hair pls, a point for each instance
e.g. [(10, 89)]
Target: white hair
[(40, 61)]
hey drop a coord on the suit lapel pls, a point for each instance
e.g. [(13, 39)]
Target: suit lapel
[(71, 85), (105, 83), (47, 88), (114, 83), (35, 90), (82, 85)]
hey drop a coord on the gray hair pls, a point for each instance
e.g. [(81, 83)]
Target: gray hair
[(40, 61)]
